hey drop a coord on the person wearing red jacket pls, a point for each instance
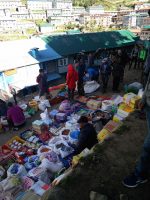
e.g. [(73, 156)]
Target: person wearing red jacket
[(71, 79)]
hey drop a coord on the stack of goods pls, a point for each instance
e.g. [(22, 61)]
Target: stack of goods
[(7, 156), (65, 107), (81, 99), (38, 126), (94, 104), (109, 128), (132, 100)]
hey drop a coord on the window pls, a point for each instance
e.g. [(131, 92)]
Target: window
[(63, 62)]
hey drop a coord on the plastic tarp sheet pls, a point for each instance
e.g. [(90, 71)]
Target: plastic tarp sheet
[(24, 77)]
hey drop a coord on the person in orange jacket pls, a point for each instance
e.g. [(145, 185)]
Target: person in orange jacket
[(71, 79)]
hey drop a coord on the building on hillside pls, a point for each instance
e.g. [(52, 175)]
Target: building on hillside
[(61, 20), (22, 9), (93, 10), (53, 12), (20, 16), (85, 18), (7, 23), (140, 18), (38, 14), (20, 68), (142, 6), (39, 4), (12, 4), (78, 10), (4, 12), (129, 21), (63, 4), (104, 20), (10, 24), (66, 12), (118, 18), (69, 45), (46, 28), (145, 33)]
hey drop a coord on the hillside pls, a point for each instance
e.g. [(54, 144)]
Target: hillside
[(108, 4)]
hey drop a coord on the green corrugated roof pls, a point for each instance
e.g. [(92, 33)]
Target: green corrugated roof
[(146, 27), (72, 44), (73, 31)]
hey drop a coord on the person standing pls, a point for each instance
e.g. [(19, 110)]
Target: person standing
[(105, 72), (81, 72), (140, 174), (71, 79), (42, 81), (117, 71), (141, 57), (134, 57)]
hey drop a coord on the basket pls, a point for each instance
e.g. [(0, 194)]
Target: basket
[(18, 139)]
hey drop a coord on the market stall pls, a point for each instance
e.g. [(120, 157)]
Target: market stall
[(38, 158)]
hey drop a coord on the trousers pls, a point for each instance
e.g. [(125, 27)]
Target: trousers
[(143, 165)]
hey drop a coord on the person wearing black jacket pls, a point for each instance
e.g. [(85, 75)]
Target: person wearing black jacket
[(87, 137)]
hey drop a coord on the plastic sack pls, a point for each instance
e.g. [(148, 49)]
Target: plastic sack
[(46, 102), (53, 141), (10, 182), (2, 172), (37, 98), (91, 86), (117, 99), (27, 182), (73, 137), (16, 169), (44, 149), (107, 105), (23, 106), (36, 172), (61, 117), (63, 149), (140, 93), (45, 117), (135, 85), (53, 113), (42, 106), (54, 167), (46, 177), (40, 187), (64, 106)]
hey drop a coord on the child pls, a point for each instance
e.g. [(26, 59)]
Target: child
[(72, 77)]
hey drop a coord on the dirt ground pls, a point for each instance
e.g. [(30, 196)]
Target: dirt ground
[(104, 170)]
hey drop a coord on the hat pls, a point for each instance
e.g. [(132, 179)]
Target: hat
[(83, 119)]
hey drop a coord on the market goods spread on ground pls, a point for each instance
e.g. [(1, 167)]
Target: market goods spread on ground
[(39, 158)]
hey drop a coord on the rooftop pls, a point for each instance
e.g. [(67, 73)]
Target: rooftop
[(19, 53), (71, 44)]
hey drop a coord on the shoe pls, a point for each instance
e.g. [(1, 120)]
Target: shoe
[(133, 181)]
